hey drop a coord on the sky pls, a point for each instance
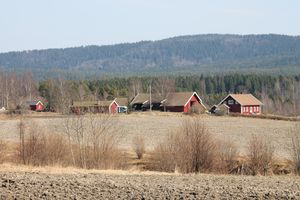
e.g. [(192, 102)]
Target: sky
[(36, 24)]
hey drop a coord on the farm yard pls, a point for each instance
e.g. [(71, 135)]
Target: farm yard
[(155, 126)]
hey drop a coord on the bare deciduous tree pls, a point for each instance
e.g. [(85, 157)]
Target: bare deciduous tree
[(260, 154), (163, 86), (190, 149), (96, 138)]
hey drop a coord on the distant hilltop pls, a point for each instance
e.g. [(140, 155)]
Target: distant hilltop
[(196, 53)]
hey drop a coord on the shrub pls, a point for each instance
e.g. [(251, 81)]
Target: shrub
[(138, 145), (295, 147), (39, 148), (93, 140), (228, 156), (260, 154), (190, 149)]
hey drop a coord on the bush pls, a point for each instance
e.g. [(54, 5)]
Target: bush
[(138, 145), (260, 154), (3, 147), (190, 149), (93, 140), (228, 156), (39, 148), (295, 147)]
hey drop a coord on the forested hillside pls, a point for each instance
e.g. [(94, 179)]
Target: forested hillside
[(199, 53)]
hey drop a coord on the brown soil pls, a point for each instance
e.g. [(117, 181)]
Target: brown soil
[(134, 185)]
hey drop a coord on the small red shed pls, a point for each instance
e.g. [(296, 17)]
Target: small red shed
[(185, 102), (113, 107), (36, 106), (245, 104)]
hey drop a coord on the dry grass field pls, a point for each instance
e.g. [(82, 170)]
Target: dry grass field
[(154, 127)]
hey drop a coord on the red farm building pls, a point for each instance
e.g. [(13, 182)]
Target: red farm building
[(245, 104), (36, 106), (185, 102), (174, 102), (95, 107)]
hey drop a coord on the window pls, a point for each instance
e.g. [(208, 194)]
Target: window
[(230, 102), (250, 109)]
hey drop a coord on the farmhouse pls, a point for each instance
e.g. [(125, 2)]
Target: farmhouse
[(185, 102), (36, 105), (242, 103), (174, 102), (95, 106)]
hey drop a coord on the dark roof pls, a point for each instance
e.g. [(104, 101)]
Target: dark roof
[(244, 99), (180, 98), (142, 98)]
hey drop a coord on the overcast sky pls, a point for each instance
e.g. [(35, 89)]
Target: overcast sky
[(37, 24)]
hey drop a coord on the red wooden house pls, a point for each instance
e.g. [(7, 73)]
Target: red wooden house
[(36, 106), (245, 104), (185, 102)]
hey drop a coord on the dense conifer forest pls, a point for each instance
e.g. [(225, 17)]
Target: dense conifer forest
[(212, 53)]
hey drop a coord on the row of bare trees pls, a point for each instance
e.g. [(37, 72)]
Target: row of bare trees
[(16, 89), (89, 141)]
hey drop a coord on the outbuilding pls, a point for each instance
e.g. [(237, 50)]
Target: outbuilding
[(245, 104), (36, 106), (185, 102), (95, 106), (141, 102)]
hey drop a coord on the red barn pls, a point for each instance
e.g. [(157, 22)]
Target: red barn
[(243, 103), (36, 106), (185, 102)]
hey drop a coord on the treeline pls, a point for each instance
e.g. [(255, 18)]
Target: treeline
[(280, 94)]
